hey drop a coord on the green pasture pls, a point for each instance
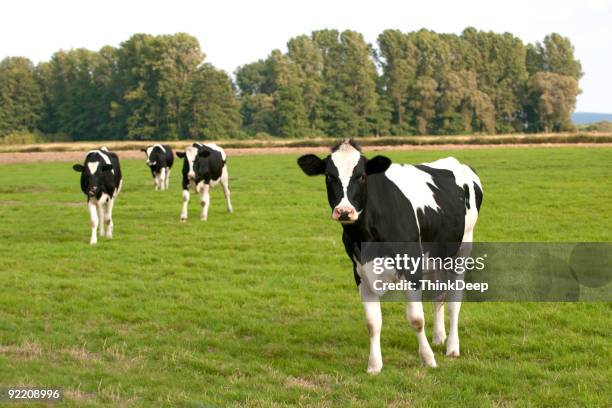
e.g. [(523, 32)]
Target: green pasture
[(259, 308)]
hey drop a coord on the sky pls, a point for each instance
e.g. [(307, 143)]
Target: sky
[(236, 32)]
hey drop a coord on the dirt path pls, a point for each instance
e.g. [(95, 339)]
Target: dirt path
[(77, 157)]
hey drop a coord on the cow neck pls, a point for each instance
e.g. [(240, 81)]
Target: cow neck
[(359, 231)]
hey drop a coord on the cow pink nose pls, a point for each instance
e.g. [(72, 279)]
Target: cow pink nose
[(191, 175), (344, 213)]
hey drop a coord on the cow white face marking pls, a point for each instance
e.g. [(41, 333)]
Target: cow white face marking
[(345, 159), (93, 167), (190, 154)]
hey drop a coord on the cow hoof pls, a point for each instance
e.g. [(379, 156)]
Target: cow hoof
[(428, 359), (183, 220), (438, 339), (202, 219), (373, 370), (93, 242), (452, 347), (452, 353)]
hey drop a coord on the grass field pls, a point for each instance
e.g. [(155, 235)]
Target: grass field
[(259, 308)]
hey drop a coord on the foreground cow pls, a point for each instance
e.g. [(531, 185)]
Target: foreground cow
[(160, 160), (100, 182), (204, 165), (377, 201)]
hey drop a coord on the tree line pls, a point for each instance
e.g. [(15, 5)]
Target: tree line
[(327, 83)]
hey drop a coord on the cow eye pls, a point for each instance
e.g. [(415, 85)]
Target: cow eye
[(361, 178), (329, 178)]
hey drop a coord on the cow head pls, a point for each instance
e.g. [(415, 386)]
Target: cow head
[(147, 151), (346, 173), (93, 175), (189, 157)]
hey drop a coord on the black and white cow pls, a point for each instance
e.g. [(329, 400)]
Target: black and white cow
[(101, 182), (160, 160), (377, 201), (204, 166)]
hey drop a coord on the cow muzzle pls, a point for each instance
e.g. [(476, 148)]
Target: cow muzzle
[(191, 175), (345, 214), (92, 192)]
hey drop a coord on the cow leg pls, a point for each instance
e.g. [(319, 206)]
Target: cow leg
[(159, 177), (452, 345), (373, 317), (185, 205), (100, 207), (109, 218), (226, 190), (204, 201), (93, 216), (439, 335), (162, 178), (416, 318), (167, 179)]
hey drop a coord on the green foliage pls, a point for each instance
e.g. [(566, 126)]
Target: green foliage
[(324, 84), (556, 55), (212, 108), (76, 87), (603, 126), (151, 87), (23, 137), (157, 72), (327, 83), (552, 98), (20, 96)]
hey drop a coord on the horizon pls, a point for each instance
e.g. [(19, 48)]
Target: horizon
[(232, 35)]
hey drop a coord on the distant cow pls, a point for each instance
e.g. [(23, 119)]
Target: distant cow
[(204, 165), (101, 182), (377, 201), (160, 160)]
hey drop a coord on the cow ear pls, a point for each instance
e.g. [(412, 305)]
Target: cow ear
[(203, 153), (107, 167), (311, 165), (78, 167), (180, 154), (143, 150), (377, 164)]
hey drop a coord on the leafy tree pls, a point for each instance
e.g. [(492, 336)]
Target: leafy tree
[(258, 113), (399, 75), (424, 103), (291, 119), (75, 97), (309, 59), (156, 72), (552, 98), (212, 106), (255, 78), (20, 96), (502, 75), (349, 95), (555, 54)]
